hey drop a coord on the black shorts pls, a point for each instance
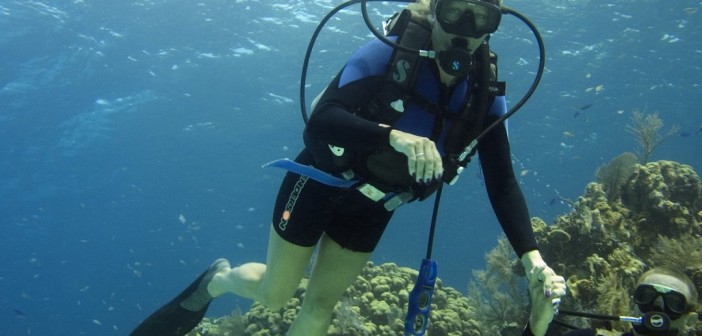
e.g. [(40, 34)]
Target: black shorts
[(306, 208)]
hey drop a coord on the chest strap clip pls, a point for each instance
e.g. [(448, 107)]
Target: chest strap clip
[(391, 200)]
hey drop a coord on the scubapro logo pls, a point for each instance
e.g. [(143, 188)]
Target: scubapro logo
[(455, 65), (401, 69), (657, 321)]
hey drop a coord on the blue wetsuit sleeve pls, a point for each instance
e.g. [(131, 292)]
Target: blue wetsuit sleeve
[(503, 189), (499, 107)]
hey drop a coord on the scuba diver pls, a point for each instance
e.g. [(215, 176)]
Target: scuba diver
[(666, 299), (399, 127)]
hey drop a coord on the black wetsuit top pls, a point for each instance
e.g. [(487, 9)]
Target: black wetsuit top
[(336, 121)]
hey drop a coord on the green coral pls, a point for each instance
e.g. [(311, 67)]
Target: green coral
[(646, 130), (665, 197), (684, 253), (614, 174), (376, 304), (499, 293), (655, 222), (233, 325)]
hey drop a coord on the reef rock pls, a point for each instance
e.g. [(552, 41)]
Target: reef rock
[(656, 222), (376, 304)]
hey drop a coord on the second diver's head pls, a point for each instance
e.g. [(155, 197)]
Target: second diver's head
[(663, 290), (459, 27)]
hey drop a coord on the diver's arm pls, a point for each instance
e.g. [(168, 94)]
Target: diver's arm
[(335, 120), (503, 190), (507, 200), (336, 117)]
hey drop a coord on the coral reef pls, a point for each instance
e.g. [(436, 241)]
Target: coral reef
[(614, 174), (376, 304), (602, 246), (233, 325), (657, 221), (498, 294)]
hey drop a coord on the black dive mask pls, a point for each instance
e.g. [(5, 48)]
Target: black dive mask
[(457, 60), (470, 18), (674, 302)]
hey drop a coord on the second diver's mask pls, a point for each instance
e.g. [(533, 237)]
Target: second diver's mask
[(657, 318), (674, 302), (466, 19)]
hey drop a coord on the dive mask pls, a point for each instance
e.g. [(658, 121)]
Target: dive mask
[(470, 18), (674, 302)]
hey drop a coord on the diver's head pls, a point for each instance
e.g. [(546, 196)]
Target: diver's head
[(459, 28), (662, 290)]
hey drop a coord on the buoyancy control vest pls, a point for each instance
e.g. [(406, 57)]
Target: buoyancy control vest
[(386, 168)]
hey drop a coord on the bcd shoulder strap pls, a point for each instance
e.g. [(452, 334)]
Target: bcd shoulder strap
[(402, 71), (483, 90), (413, 33)]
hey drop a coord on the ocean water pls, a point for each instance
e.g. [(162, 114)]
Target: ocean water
[(132, 135)]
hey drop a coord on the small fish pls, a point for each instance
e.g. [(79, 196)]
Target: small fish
[(568, 134), (685, 134), (585, 107), (553, 201), (19, 313)]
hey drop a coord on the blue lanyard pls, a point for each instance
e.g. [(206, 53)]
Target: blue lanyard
[(420, 297)]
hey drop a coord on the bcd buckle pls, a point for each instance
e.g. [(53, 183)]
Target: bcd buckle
[(399, 199), (392, 200), (371, 192)]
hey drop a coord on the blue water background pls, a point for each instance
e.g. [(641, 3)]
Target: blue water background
[(132, 135)]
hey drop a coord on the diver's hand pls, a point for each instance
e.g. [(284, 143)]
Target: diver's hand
[(423, 159), (545, 289)]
